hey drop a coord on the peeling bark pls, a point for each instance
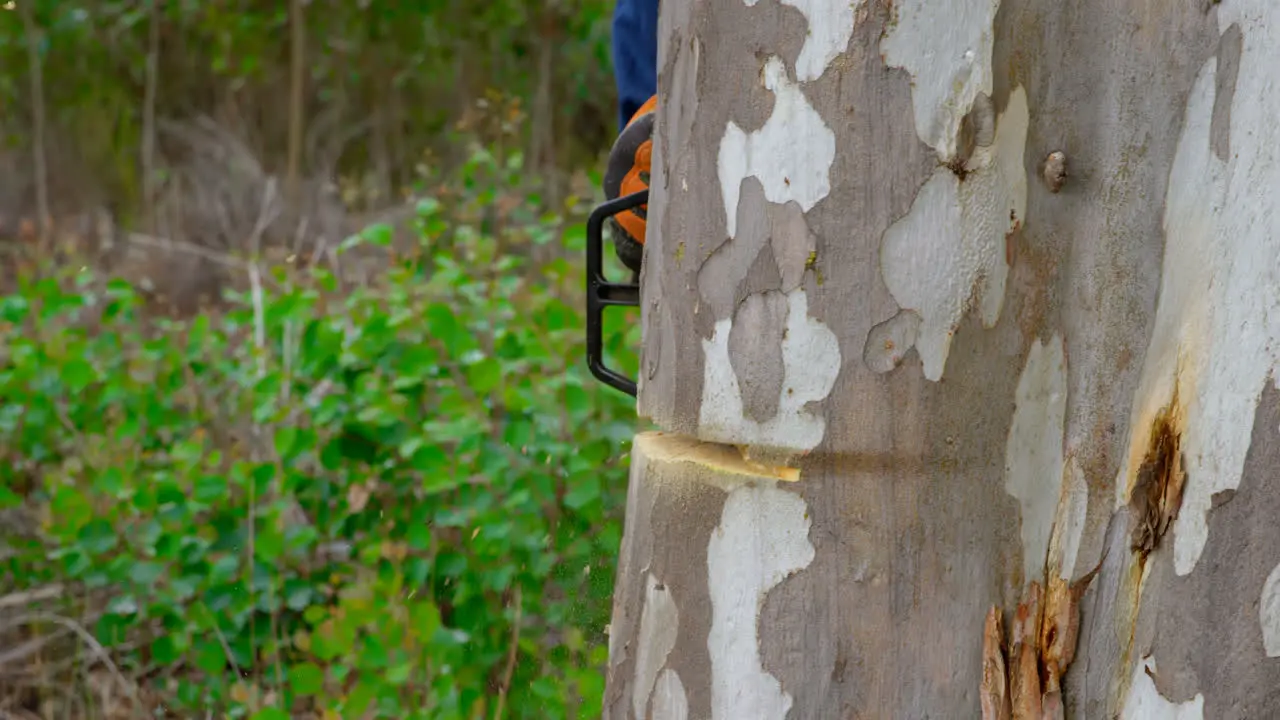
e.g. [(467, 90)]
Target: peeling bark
[(995, 673)]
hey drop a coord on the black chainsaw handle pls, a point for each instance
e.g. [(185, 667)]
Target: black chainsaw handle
[(601, 293)]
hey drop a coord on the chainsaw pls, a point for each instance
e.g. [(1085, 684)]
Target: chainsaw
[(626, 186)]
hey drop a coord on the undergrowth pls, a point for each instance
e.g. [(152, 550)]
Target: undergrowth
[(396, 501)]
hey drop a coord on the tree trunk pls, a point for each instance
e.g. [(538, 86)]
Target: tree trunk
[(297, 100), (946, 306), (35, 78)]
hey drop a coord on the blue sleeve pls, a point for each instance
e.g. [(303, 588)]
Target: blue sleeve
[(635, 54)]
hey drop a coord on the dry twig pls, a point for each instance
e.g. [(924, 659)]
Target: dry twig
[(99, 652), (27, 597)]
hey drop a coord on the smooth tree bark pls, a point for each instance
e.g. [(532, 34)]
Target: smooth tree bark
[(961, 329)]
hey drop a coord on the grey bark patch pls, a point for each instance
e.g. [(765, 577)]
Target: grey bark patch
[(721, 274), (667, 305), (1226, 661), (792, 242), (762, 277), (670, 516), (771, 252), (1229, 49), (883, 622), (755, 352), (890, 341)]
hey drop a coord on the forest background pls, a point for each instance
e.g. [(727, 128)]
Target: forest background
[(294, 417)]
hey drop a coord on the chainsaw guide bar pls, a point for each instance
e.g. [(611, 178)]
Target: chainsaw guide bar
[(601, 293)]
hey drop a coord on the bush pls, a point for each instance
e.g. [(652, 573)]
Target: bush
[(401, 501)]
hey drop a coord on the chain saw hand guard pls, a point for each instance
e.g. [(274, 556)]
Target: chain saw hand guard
[(601, 293)]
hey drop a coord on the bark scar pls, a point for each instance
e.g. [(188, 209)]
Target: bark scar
[(1157, 491)]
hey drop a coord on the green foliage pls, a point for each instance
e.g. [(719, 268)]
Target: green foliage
[(398, 501), (425, 65)]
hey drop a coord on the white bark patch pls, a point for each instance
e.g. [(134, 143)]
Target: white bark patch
[(791, 154), (830, 27), (1269, 613), (670, 701), (1217, 327), (811, 362), (951, 243), (659, 622), (1144, 701), (763, 537), (946, 47), (1033, 465)]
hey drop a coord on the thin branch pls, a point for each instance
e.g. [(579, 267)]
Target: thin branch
[(513, 650), (222, 640), (26, 597), (162, 243), (267, 214)]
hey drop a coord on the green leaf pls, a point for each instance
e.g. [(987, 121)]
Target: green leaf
[(575, 237), (585, 490), (165, 650), (8, 498), (98, 536), (399, 674), (286, 439), (225, 568), (429, 458), (146, 573), (443, 324), (297, 594), (77, 373), (269, 544), (270, 713), (14, 309), (440, 482), (306, 679), (380, 234), (210, 489), (484, 375), (426, 619), (360, 697)]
